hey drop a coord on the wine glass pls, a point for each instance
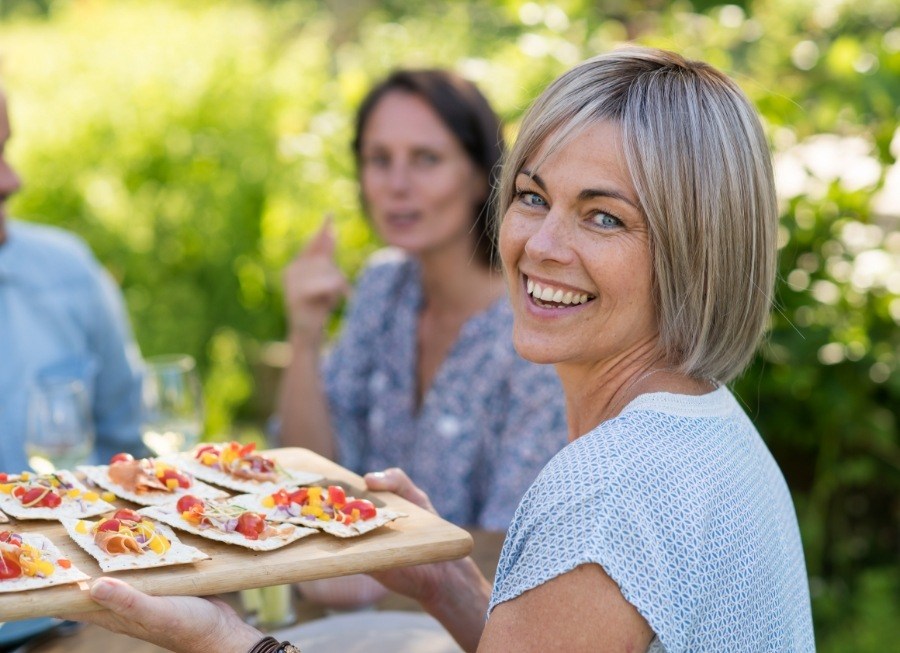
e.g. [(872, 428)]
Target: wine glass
[(60, 432), (172, 406)]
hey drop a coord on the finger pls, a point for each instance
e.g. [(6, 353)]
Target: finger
[(395, 480), (123, 600), (324, 241)]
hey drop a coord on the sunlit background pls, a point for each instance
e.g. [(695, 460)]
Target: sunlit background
[(196, 144)]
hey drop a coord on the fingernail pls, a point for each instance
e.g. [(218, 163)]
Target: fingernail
[(101, 590), (378, 476)]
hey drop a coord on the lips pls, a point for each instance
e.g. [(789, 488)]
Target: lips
[(547, 295)]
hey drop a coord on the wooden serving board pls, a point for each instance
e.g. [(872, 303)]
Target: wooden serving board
[(418, 538)]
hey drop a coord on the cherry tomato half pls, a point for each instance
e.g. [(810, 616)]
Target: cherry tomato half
[(11, 538), (186, 502), (299, 496), (183, 481), (366, 508), (51, 500), (126, 514), (336, 495), (9, 568), (109, 525), (250, 525), (121, 458)]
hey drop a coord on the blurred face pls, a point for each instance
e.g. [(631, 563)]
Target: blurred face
[(575, 249), (420, 187), (9, 180)]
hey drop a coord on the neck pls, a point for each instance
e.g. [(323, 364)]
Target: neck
[(598, 391), (454, 281)]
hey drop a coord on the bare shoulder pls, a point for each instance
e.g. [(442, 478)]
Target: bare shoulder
[(582, 610)]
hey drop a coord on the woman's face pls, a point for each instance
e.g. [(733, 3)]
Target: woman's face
[(574, 234), (420, 187)]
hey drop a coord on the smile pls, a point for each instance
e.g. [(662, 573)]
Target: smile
[(547, 296)]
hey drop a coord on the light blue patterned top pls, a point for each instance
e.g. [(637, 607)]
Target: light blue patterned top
[(487, 425), (62, 316), (681, 503)]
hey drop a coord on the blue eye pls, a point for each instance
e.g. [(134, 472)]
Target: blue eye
[(606, 220), (529, 198)]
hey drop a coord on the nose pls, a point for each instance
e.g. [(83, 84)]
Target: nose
[(398, 177), (552, 241)]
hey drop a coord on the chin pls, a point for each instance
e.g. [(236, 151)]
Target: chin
[(535, 350)]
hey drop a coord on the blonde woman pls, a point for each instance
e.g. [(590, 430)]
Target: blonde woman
[(640, 182)]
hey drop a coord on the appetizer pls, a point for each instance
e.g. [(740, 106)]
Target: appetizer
[(30, 561), (130, 540), (240, 467), (147, 481), (48, 496), (328, 509), (226, 521)]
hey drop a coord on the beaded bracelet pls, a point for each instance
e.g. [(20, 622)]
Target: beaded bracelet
[(271, 645)]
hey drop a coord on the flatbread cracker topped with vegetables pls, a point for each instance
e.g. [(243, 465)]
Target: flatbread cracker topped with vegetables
[(49, 496), (240, 467), (226, 521), (328, 509), (147, 481), (130, 540), (30, 561)]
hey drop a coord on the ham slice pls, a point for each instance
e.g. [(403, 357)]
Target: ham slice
[(134, 477), (114, 543)]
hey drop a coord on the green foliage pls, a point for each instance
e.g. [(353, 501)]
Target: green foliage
[(195, 145)]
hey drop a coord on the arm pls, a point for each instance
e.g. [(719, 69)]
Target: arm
[(582, 610), (313, 286)]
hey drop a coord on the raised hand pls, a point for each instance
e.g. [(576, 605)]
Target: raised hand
[(313, 284)]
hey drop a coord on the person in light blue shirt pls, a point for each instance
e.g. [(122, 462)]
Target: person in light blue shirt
[(61, 316)]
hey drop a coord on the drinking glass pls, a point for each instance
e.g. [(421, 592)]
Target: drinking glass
[(60, 433), (172, 406)]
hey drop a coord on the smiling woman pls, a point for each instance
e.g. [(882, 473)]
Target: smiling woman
[(638, 244)]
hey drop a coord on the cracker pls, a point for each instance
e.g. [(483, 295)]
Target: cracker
[(51, 553), (99, 474), (177, 554), (70, 507), (286, 534)]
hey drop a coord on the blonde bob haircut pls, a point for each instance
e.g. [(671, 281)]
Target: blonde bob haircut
[(699, 161)]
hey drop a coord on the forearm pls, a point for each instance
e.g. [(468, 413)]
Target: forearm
[(461, 602), (303, 407)]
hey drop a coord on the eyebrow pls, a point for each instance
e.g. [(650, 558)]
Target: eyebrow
[(586, 194)]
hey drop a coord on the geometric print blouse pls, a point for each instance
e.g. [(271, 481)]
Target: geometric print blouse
[(488, 423), (681, 503)]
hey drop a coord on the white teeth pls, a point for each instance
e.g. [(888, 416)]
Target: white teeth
[(558, 296)]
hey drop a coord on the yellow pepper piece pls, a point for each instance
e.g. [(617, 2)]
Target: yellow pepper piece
[(91, 496), (74, 493), (209, 458), (7, 488), (81, 527), (108, 496), (172, 484), (24, 476), (268, 502), (54, 482)]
